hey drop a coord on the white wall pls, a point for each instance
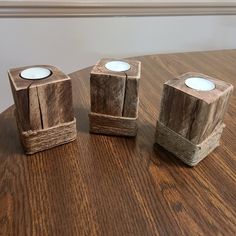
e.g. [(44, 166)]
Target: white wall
[(75, 43)]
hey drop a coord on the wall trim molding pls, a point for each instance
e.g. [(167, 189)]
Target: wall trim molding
[(104, 8)]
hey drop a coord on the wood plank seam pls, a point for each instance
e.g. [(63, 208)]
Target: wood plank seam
[(40, 108), (123, 109)]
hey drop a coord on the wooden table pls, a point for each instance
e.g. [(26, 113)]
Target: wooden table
[(101, 185)]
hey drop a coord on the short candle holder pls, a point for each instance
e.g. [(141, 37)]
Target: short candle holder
[(190, 123), (43, 107), (114, 97)]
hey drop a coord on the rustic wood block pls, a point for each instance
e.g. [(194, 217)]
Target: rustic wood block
[(193, 115), (114, 93), (43, 104), (112, 125)]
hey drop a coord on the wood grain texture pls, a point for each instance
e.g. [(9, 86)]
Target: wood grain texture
[(131, 98), (194, 114), (188, 152), (115, 93), (55, 103), (102, 185), (40, 140), (107, 94), (113, 125), (107, 89), (42, 103)]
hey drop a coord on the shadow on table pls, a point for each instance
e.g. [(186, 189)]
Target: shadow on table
[(165, 157), (82, 119), (157, 154), (9, 138)]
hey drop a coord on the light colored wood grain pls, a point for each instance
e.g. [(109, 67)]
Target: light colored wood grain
[(113, 125), (188, 152)]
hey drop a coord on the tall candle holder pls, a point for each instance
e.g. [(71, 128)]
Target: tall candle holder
[(43, 107), (190, 123), (114, 97)]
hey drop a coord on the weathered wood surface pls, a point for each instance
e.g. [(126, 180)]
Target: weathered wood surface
[(107, 94), (194, 114), (188, 152), (41, 105), (107, 90), (115, 93), (131, 98), (113, 125), (103, 185), (39, 140)]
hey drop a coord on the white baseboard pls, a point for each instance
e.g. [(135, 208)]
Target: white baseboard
[(77, 8)]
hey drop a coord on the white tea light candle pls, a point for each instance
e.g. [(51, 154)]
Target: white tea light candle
[(117, 66), (35, 73), (199, 84)]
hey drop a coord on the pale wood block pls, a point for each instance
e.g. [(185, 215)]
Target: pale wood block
[(114, 93), (191, 121), (42, 104), (113, 125), (193, 114)]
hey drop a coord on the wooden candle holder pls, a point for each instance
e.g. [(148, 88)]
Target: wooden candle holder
[(191, 122), (43, 109), (114, 99)]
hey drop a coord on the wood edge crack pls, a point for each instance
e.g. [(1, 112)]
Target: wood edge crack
[(40, 108), (123, 108)]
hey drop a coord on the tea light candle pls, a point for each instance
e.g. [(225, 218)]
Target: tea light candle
[(200, 84), (117, 66), (35, 73)]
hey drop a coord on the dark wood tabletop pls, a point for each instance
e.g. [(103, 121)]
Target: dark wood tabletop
[(103, 185)]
